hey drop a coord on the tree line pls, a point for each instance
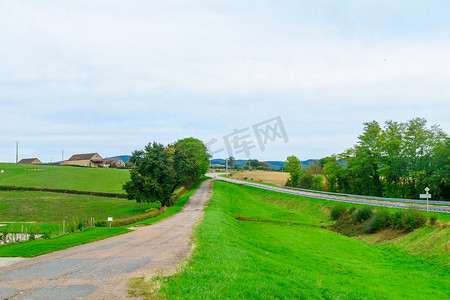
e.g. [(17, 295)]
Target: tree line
[(160, 170), (398, 160)]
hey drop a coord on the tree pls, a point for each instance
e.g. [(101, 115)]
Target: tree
[(392, 165), (160, 170), (441, 163), (294, 167), (399, 160), (231, 161), (191, 160), (154, 178), (366, 160)]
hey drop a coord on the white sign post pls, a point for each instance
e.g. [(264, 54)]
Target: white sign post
[(427, 196), (110, 219)]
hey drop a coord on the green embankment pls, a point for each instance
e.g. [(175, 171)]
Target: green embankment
[(64, 177), (283, 253)]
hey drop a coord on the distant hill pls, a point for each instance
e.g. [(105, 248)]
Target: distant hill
[(221, 162), (273, 164)]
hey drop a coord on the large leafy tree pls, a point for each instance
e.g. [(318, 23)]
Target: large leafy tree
[(191, 160), (159, 170), (365, 162), (154, 178), (294, 167), (399, 160), (441, 163), (392, 164)]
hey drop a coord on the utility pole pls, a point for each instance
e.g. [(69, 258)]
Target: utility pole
[(62, 155), (226, 165)]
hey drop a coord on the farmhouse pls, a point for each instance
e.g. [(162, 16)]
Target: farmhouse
[(115, 161), (32, 161), (86, 160)]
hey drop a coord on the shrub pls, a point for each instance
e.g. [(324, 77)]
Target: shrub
[(337, 211), (318, 182), (150, 213), (31, 233), (362, 214), (101, 223), (379, 220), (47, 234), (396, 219), (413, 219), (306, 181), (433, 219)]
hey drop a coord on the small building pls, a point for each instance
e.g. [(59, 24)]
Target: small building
[(59, 163), (115, 162), (86, 160), (30, 161)]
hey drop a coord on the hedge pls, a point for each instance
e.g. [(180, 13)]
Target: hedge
[(34, 189)]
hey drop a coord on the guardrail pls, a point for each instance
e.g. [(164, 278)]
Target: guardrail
[(324, 196), (373, 197)]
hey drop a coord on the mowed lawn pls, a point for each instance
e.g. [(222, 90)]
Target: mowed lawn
[(284, 254), (64, 177)]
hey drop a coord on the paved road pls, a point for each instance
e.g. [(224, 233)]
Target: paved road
[(438, 208), (101, 270)]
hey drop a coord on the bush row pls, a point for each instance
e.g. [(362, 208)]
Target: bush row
[(150, 213), (34, 189), (372, 221), (153, 212)]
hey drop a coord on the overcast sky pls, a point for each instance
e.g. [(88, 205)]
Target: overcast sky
[(111, 76)]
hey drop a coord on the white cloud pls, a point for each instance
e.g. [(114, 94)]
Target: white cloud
[(147, 70)]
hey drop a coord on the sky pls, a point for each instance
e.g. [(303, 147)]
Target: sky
[(112, 76)]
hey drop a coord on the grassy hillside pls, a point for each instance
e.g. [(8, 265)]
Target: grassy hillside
[(22, 206), (64, 177), (56, 206), (41, 212), (267, 245)]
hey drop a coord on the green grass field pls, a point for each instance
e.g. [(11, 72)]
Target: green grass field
[(45, 206), (101, 206), (283, 253), (64, 177), (44, 212), (40, 247), (48, 210)]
